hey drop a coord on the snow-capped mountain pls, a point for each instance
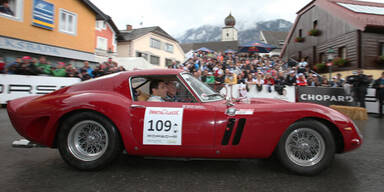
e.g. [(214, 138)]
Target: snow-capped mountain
[(207, 33)]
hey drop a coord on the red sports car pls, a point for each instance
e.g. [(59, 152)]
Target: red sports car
[(93, 121)]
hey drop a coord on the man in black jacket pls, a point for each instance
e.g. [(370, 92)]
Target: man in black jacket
[(360, 83), (291, 79), (379, 86)]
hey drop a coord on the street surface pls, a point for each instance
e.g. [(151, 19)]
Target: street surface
[(42, 169)]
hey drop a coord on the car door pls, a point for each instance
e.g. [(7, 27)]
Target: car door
[(173, 128)]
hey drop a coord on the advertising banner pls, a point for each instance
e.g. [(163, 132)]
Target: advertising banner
[(324, 96), (43, 14), (239, 91), (17, 86)]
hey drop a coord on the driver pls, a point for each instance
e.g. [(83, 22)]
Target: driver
[(158, 91)]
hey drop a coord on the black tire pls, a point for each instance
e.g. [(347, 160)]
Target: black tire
[(106, 134), (321, 160)]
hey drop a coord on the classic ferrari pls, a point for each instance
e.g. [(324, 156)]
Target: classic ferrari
[(92, 122)]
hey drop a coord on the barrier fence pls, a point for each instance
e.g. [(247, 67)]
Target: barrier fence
[(17, 86)]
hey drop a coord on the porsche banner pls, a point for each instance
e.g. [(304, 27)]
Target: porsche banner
[(16, 86), (324, 96)]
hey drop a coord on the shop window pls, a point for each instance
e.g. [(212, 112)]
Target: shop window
[(343, 52), (381, 50), (12, 9), (155, 60), (102, 43), (67, 22)]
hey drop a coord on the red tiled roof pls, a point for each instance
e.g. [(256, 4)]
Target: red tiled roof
[(357, 19)]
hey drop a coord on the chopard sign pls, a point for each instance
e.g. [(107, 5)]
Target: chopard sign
[(324, 96)]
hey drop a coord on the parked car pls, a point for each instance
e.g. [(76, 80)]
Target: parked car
[(93, 121)]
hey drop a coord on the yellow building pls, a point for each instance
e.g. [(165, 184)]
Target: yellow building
[(62, 30), (152, 43)]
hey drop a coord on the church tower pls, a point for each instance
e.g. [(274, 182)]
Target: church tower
[(229, 33)]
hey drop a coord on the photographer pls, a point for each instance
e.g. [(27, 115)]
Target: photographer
[(359, 83)]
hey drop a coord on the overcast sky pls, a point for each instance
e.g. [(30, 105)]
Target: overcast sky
[(177, 16)]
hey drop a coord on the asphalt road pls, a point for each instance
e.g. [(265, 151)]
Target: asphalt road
[(42, 169)]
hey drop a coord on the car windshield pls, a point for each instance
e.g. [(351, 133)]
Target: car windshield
[(204, 92)]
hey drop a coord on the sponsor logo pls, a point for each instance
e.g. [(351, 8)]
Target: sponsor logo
[(28, 89), (163, 112), (325, 98)]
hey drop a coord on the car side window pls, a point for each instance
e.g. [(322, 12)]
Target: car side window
[(176, 91), (140, 88)]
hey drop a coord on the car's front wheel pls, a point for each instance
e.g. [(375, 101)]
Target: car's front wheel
[(306, 147), (88, 141)]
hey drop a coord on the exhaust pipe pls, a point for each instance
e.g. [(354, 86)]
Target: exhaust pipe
[(24, 143)]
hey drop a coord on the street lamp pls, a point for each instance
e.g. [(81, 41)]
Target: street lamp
[(331, 56)]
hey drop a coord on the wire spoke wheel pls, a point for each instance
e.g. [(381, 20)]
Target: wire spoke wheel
[(305, 147), (87, 140)]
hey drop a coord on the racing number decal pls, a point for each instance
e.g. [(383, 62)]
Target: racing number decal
[(162, 126)]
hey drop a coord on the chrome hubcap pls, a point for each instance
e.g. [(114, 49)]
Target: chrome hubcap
[(88, 140), (305, 147)]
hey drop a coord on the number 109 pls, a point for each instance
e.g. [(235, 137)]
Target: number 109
[(159, 125)]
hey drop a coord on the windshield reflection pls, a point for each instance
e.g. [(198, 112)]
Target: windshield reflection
[(203, 91)]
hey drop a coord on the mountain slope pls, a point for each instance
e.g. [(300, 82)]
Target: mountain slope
[(207, 33)]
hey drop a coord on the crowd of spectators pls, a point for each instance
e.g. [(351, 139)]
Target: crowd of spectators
[(217, 69), (31, 66)]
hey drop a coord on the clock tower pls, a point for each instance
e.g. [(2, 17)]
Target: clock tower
[(229, 32)]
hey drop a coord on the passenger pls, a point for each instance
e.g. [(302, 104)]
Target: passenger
[(171, 92), (158, 91)]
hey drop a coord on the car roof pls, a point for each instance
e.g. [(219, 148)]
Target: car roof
[(153, 72)]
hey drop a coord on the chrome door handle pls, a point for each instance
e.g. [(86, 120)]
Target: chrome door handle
[(133, 106)]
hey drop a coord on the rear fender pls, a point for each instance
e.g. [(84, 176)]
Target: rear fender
[(114, 107)]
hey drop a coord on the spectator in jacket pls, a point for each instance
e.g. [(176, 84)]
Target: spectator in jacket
[(301, 81), (27, 67), (230, 77), (59, 71), (44, 66), (87, 68), (2, 65), (291, 79), (379, 86)]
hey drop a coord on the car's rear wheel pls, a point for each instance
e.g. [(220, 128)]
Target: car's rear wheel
[(88, 141), (306, 147)]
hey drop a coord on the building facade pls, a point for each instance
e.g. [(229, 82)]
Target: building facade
[(275, 38), (152, 43), (61, 30), (106, 39), (353, 30)]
